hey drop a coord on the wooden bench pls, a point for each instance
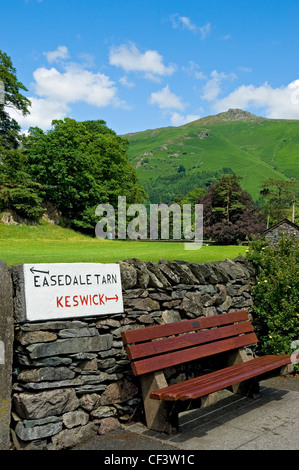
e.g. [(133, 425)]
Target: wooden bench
[(155, 348)]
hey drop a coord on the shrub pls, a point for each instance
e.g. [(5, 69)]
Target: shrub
[(276, 293)]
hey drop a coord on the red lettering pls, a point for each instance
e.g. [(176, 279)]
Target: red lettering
[(58, 302), (84, 300), (67, 301), (101, 299), (96, 303), (76, 303)]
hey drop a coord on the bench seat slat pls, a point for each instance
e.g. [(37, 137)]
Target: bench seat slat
[(172, 392), (152, 364), (209, 383), (141, 350), (159, 331)]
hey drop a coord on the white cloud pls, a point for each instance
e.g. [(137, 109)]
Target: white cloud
[(132, 60), (277, 103), (165, 99), (42, 113), (73, 85), (55, 91), (178, 119), (185, 23), (127, 83), (60, 53), (213, 86)]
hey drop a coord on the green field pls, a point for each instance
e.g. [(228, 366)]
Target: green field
[(48, 243)]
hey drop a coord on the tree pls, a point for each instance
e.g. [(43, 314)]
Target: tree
[(9, 128), (81, 165), (279, 196), (230, 215)]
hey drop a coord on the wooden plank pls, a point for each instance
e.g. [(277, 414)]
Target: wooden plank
[(230, 379), (179, 357), (209, 383), (141, 350), (171, 392), (159, 331)]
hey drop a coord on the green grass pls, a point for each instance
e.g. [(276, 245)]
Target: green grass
[(48, 243)]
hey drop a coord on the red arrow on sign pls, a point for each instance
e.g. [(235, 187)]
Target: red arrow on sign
[(112, 298)]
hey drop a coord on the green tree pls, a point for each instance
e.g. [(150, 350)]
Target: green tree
[(12, 99), (278, 196), (82, 165)]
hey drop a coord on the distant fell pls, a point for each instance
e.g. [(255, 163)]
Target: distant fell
[(253, 147)]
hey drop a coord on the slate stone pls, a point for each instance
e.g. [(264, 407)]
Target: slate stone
[(70, 346)]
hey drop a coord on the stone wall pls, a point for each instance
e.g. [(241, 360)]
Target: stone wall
[(72, 379)]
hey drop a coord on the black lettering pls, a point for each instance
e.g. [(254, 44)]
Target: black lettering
[(35, 279), (53, 280), (88, 280), (45, 283), (60, 282), (68, 280)]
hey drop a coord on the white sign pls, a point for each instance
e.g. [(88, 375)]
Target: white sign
[(65, 290)]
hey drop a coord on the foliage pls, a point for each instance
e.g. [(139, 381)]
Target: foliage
[(230, 215), (81, 165), (276, 294), (175, 187), (9, 128), (278, 196)]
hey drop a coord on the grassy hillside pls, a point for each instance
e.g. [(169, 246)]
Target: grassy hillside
[(253, 147)]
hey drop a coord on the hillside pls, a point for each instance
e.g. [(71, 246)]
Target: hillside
[(253, 147)]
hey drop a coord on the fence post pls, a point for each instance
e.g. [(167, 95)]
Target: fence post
[(6, 353)]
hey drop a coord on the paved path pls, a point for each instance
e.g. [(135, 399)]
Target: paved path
[(270, 422)]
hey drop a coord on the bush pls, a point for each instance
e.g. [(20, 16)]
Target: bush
[(276, 293)]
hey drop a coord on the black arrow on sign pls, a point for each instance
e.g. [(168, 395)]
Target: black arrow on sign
[(37, 271)]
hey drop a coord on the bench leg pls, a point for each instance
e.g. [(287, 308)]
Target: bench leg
[(248, 388), (160, 415)]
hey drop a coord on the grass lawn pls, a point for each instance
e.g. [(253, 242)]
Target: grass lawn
[(47, 243)]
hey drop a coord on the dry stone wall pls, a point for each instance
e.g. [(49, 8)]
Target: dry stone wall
[(72, 379)]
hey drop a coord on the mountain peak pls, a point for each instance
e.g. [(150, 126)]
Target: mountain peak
[(238, 115)]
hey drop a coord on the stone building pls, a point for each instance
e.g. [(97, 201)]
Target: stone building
[(284, 227)]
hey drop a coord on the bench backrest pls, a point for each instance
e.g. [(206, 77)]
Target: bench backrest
[(156, 347)]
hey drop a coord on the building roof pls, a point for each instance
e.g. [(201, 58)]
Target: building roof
[(283, 221)]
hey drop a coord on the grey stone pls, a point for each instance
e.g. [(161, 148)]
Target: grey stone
[(103, 412), (36, 337), (192, 303), (72, 437), (128, 275), (69, 346), (78, 332), (46, 374), (46, 403), (75, 418), (37, 432)]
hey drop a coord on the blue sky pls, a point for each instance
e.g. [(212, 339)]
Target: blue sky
[(141, 64)]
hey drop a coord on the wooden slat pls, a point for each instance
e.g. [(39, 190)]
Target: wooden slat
[(152, 364), (158, 331), (209, 383), (141, 350)]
